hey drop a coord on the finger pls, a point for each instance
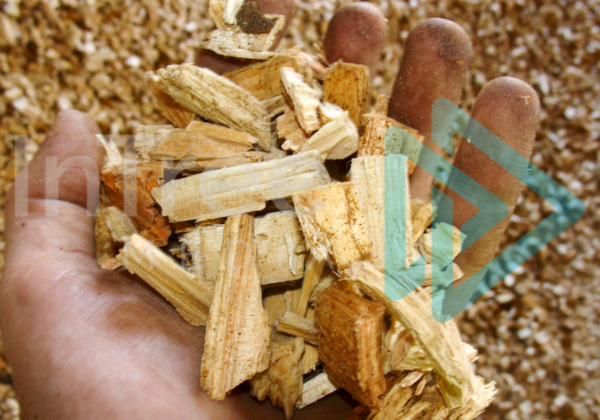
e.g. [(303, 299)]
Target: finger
[(54, 197), (437, 55), (509, 108), (356, 34), (221, 64)]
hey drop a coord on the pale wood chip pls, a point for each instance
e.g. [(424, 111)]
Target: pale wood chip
[(280, 245), (347, 85), (120, 225), (237, 344), (230, 9), (310, 358), (224, 134), (329, 112), (194, 151), (147, 136), (305, 99), (315, 389), (216, 9), (333, 223), (282, 381), (367, 174), (350, 343), (423, 214), (190, 296), (111, 264), (297, 326), (337, 139), (239, 189), (232, 41), (312, 276), (288, 129), (427, 406), (217, 99)]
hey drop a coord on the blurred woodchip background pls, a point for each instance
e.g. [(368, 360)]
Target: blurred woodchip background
[(538, 333)]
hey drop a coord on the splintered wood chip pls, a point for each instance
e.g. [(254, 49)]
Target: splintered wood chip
[(350, 341), (240, 189), (305, 99), (188, 294), (174, 112), (238, 337), (333, 223), (282, 381), (217, 99), (131, 184)]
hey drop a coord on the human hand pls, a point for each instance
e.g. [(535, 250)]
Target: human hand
[(88, 343)]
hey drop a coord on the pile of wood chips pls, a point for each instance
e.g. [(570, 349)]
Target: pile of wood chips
[(283, 289)]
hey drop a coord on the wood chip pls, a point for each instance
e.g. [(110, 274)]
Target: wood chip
[(238, 336), (441, 342), (333, 223), (367, 174), (305, 99), (296, 326), (423, 214), (350, 341), (318, 387), (372, 143), (230, 9), (105, 246), (263, 79), (217, 99), (121, 227), (190, 296), (282, 381), (312, 276), (347, 85), (337, 139), (132, 183), (197, 152), (224, 134), (240, 189), (289, 130), (174, 112), (280, 245), (232, 41), (147, 136)]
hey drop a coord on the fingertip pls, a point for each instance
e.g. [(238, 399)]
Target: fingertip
[(356, 34), (509, 108), (437, 54)]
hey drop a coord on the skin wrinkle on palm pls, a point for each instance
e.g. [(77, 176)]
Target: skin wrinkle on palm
[(154, 304)]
